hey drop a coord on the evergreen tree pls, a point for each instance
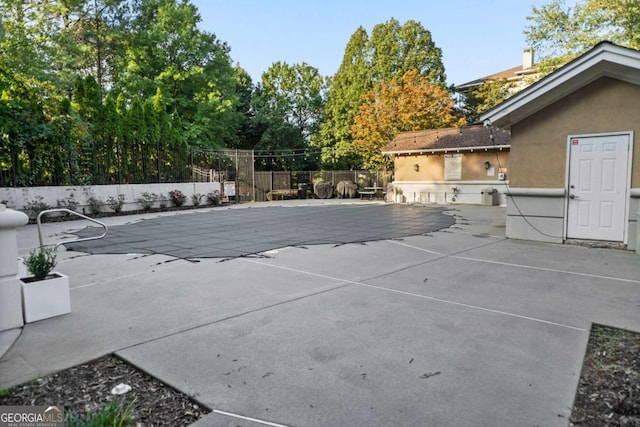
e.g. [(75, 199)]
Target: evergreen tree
[(112, 138), (351, 81), (391, 51)]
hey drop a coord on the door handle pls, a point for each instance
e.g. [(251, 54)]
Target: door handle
[(573, 196)]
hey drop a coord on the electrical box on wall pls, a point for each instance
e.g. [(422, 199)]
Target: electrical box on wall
[(502, 176)]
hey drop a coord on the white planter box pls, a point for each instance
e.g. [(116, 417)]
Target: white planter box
[(22, 269), (45, 298)]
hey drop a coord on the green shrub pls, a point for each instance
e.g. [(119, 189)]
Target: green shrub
[(214, 197), (35, 206), (116, 203), (196, 199), (162, 201), (40, 262), (146, 200), (177, 198), (95, 205), (69, 203)]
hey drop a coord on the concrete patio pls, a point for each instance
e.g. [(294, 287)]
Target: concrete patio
[(457, 327)]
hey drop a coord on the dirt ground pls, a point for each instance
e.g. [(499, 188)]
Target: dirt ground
[(609, 389), (84, 389), (608, 392)]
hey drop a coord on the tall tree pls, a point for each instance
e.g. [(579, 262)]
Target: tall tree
[(245, 136), (411, 102), (163, 118), (296, 94), (100, 33), (193, 68), (112, 137), (23, 127), (391, 51), (396, 49), (275, 138), (559, 32), (348, 85)]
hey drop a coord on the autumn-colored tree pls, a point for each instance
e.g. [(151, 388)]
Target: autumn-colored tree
[(408, 103), (391, 50)]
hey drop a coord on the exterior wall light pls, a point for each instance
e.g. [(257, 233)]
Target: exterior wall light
[(487, 165), (416, 167)]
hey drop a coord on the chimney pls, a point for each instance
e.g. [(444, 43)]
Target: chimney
[(527, 58)]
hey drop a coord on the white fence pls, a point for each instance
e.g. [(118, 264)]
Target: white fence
[(21, 198)]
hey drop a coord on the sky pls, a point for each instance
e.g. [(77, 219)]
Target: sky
[(477, 37)]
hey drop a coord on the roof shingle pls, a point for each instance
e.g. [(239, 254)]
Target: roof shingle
[(466, 137)]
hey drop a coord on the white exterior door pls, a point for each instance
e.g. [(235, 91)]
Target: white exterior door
[(598, 183)]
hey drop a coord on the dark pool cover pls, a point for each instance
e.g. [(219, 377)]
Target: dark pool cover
[(229, 233)]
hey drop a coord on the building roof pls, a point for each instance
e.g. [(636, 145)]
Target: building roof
[(466, 138), (604, 60), (515, 73)]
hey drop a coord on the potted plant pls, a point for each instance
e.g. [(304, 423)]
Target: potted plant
[(46, 293)]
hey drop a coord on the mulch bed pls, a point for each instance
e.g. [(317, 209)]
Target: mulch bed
[(86, 388), (609, 388)]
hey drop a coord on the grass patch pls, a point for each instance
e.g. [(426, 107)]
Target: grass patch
[(113, 414)]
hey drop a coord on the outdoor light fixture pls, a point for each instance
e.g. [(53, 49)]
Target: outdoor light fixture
[(487, 165), (416, 167)]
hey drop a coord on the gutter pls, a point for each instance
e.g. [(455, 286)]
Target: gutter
[(447, 150)]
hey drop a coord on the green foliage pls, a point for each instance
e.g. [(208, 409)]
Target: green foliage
[(390, 51), (35, 206), (69, 202), (285, 111), (214, 197), (396, 49), (196, 199), (116, 203), (177, 198), (192, 67), (40, 262), (162, 201), (60, 124), (408, 103), (296, 94), (484, 97), (352, 80), (559, 32), (95, 205), (146, 200), (112, 414)]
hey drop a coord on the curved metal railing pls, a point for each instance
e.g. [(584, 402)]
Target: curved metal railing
[(83, 239)]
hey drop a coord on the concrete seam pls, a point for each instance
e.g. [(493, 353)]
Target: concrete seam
[(476, 307), (508, 264), (242, 417), (213, 322)]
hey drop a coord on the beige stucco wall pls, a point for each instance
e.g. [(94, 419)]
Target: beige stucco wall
[(539, 143), (432, 166)]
